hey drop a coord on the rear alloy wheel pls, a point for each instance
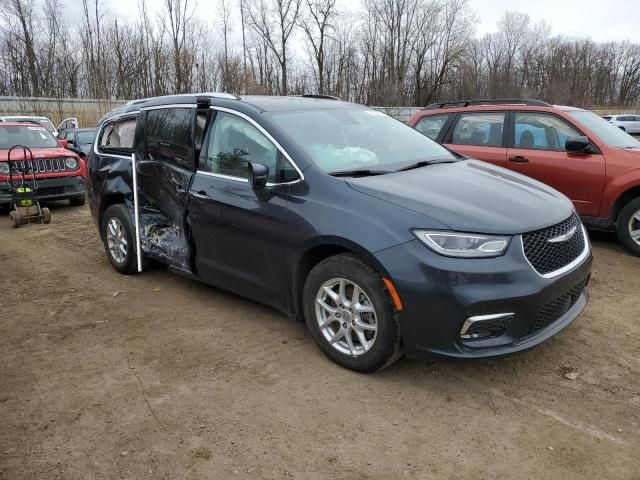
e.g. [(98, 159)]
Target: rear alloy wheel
[(119, 238), (628, 226), (351, 315)]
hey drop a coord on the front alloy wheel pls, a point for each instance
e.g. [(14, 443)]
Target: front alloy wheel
[(346, 316), (351, 315)]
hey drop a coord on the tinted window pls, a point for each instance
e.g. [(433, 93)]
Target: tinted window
[(431, 125), (482, 129), (539, 131), (169, 135), (356, 138), (32, 136), (626, 118), (233, 142), (117, 136)]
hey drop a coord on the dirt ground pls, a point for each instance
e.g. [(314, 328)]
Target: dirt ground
[(156, 376)]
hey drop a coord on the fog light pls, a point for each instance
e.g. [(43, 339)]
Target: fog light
[(486, 326)]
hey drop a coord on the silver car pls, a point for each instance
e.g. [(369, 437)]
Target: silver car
[(628, 123)]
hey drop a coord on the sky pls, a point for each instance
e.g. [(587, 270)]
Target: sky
[(600, 20)]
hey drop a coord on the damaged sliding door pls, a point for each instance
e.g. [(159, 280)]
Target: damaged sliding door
[(165, 166)]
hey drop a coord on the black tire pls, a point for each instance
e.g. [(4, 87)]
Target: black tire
[(622, 226), (386, 348), (77, 201), (129, 263), (623, 129)]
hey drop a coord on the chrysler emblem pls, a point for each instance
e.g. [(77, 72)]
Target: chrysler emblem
[(564, 237)]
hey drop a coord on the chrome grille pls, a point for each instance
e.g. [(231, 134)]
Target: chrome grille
[(547, 256), (40, 165)]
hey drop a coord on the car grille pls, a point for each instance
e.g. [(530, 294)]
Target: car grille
[(547, 257), (553, 310), (41, 165)]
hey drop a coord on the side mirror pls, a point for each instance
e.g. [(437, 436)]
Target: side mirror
[(579, 144), (63, 143), (258, 175)]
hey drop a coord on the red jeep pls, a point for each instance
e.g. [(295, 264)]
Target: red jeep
[(60, 172), (591, 161)]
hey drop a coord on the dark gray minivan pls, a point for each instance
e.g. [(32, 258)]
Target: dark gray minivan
[(383, 241)]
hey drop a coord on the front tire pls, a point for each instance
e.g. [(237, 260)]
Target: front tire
[(351, 315), (118, 235), (628, 226)]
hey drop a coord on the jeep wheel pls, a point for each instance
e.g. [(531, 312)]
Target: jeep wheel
[(351, 315), (628, 226), (119, 238)]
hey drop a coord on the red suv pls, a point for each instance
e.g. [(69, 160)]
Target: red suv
[(591, 161), (60, 172)]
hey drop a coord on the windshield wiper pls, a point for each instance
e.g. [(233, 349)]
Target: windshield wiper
[(424, 163), (365, 172)]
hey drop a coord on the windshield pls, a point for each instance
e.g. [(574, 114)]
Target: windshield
[(31, 136), (607, 132), (356, 139)]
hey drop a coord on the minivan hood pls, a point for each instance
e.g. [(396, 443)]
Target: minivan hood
[(471, 196)]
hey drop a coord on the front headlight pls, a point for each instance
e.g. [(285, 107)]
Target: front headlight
[(71, 163), (4, 168), (464, 245)]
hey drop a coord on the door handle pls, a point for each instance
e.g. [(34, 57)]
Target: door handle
[(201, 194), (519, 159)]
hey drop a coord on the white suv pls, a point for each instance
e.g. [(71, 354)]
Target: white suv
[(628, 123)]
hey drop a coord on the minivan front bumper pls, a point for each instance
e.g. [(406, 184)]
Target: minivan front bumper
[(440, 294)]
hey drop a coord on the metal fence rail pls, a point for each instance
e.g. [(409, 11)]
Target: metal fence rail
[(88, 111)]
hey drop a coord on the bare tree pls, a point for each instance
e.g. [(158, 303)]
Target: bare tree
[(273, 21)]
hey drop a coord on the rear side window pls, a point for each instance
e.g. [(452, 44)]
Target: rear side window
[(169, 135), (540, 131), (481, 129), (626, 118), (117, 136), (431, 125)]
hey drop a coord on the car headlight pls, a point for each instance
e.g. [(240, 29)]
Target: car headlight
[(464, 245), (71, 163), (4, 168)]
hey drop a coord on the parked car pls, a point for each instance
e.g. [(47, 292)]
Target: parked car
[(381, 239), (628, 123), (572, 150), (44, 121), (60, 173), (79, 140), (71, 122)]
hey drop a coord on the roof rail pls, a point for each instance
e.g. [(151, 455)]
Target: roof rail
[(313, 95), (489, 101)]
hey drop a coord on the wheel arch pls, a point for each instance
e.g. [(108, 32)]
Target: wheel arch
[(622, 200), (316, 253)]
